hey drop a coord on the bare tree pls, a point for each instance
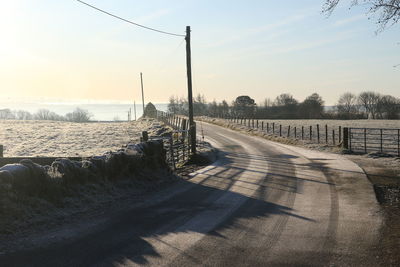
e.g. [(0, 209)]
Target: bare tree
[(42, 114), (23, 115), (285, 100), (79, 115), (387, 11), (347, 106), (285, 106), (199, 105), (213, 109), (223, 108), (6, 114), (389, 107), (173, 105), (370, 102)]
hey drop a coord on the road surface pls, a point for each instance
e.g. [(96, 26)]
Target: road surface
[(260, 204)]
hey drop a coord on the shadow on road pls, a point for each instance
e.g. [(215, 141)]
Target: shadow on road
[(200, 209)]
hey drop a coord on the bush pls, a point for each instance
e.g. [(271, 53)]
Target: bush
[(78, 115)]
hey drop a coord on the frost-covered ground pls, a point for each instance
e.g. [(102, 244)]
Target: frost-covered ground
[(62, 139)]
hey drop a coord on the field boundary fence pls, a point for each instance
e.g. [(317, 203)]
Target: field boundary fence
[(320, 134), (177, 148), (359, 140), (178, 143), (367, 140)]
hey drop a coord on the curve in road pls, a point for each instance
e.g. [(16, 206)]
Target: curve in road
[(261, 203)]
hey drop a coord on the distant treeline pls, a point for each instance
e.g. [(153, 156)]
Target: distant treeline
[(78, 115), (349, 106)]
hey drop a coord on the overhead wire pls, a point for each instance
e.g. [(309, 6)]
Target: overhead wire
[(131, 22), (161, 67), (128, 21)]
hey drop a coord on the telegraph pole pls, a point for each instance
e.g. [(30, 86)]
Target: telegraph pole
[(141, 82), (192, 130), (134, 108)]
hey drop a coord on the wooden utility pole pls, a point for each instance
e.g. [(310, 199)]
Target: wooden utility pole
[(192, 129), (141, 82), (134, 108)]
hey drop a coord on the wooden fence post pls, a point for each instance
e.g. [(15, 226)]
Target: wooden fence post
[(1, 151), (350, 136), (365, 140), (280, 129), (333, 137), (257, 124), (381, 131), (310, 133), (184, 124), (145, 136), (273, 128), (340, 134), (295, 132), (262, 125), (345, 138), (398, 142), (267, 127), (318, 133), (288, 131), (302, 132), (171, 148), (326, 133)]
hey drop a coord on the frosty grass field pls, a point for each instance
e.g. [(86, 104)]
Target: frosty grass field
[(63, 139)]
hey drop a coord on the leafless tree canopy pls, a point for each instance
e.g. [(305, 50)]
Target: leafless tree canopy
[(365, 105), (347, 107), (78, 115), (387, 11), (369, 101)]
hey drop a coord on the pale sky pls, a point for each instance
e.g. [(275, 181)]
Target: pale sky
[(261, 48)]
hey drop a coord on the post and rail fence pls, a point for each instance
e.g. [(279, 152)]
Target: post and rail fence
[(358, 140), (178, 144), (367, 140)]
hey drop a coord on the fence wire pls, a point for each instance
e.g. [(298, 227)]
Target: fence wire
[(361, 140), (367, 140)]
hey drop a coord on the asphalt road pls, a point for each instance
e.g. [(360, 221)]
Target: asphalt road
[(260, 204)]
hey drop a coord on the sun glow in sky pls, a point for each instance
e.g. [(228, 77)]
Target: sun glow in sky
[(65, 50)]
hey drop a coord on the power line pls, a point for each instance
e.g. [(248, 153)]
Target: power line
[(128, 21)]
